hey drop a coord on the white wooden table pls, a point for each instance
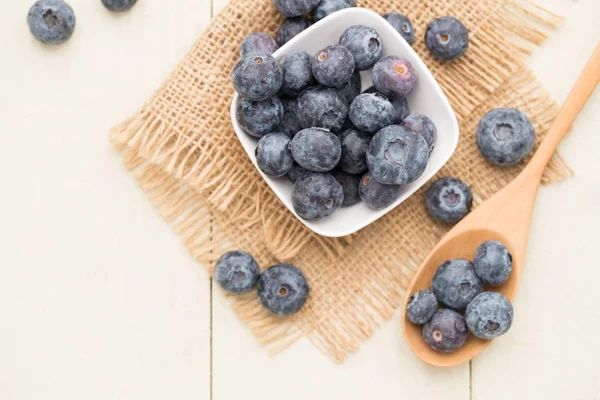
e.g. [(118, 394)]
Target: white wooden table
[(99, 300)]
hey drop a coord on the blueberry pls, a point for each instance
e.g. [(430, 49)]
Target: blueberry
[(297, 73), (322, 107), (119, 5), (455, 284), (402, 24), (333, 66), (260, 117), (446, 38), (258, 42), (350, 185), (421, 307), (352, 88), (283, 289), (354, 151), (295, 8), (394, 77), (489, 315), (257, 76), (51, 21), (296, 172), (419, 123), (365, 45), (505, 136), (290, 28), (328, 7), (446, 331), (371, 112), (493, 262), (236, 272), (290, 125), (400, 105), (316, 196), (316, 149), (273, 154), (449, 200), (397, 156), (377, 195)]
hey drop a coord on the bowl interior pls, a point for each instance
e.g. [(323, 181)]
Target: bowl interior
[(427, 98)]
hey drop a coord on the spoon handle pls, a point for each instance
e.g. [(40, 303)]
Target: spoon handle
[(582, 90)]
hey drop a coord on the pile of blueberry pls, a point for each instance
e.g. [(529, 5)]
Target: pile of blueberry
[(282, 289), (458, 287)]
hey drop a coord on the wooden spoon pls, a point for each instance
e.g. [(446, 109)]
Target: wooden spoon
[(505, 217)]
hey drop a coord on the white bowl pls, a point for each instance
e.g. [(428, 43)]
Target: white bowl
[(427, 98)]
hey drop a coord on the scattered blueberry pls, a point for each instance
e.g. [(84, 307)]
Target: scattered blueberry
[(364, 44), (489, 315), (328, 7), (400, 105), (505, 136), (419, 123), (397, 156), (257, 76), (236, 272), (371, 112), (349, 184), (316, 149), (283, 289), (455, 284), (290, 125), (260, 117), (402, 24), (258, 42), (333, 66), (51, 21), (394, 77), (446, 331), (352, 88), (119, 5), (297, 73), (295, 8), (354, 151), (273, 154), (290, 28), (421, 307), (449, 200), (377, 195), (322, 107), (317, 195), (446, 38), (296, 172), (493, 262)]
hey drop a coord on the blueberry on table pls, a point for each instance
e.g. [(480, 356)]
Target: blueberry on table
[(397, 156), (455, 284), (377, 195), (424, 126), (297, 73), (449, 200), (402, 24), (421, 307), (394, 77), (328, 7), (349, 184), (365, 45), (352, 88), (236, 272), (371, 112), (316, 149), (295, 8), (283, 289), (258, 118), (273, 154), (493, 262), (296, 172), (322, 107), (354, 151), (401, 109), (290, 28), (51, 21), (446, 38), (119, 5), (333, 66), (258, 42), (257, 76), (317, 195), (290, 125), (489, 315), (446, 331), (505, 136)]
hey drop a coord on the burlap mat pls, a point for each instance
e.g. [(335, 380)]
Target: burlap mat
[(183, 151)]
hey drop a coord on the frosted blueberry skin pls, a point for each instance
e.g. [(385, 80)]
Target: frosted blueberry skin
[(394, 77), (295, 8), (290, 125), (51, 21), (258, 118), (290, 28), (493, 262), (349, 184), (402, 24), (333, 66), (421, 307), (258, 42), (327, 7), (316, 149), (455, 284), (352, 88), (297, 73), (273, 154), (401, 109), (489, 315), (449, 200), (283, 289), (296, 172), (322, 107), (257, 76), (419, 123), (354, 151), (316, 196), (505, 136), (371, 112), (365, 45), (119, 5), (446, 38), (377, 195), (236, 272), (397, 156), (446, 331)]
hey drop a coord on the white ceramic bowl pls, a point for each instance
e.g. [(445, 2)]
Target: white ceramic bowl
[(427, 98)]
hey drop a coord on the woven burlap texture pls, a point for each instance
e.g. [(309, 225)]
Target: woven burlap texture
[(182, 149)]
